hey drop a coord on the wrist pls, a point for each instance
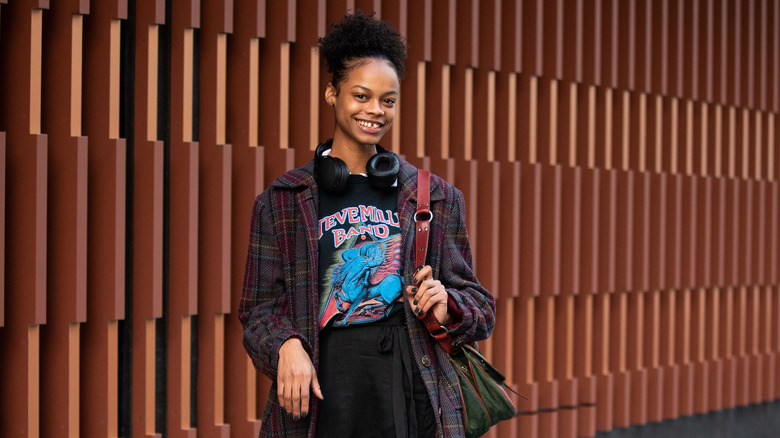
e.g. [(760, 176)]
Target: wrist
[(291, 342), (446, 320)]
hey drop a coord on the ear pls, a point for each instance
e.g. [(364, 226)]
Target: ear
[(330, 94)]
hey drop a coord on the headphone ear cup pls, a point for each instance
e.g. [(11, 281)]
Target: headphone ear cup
[(331, 173), (382, 170)]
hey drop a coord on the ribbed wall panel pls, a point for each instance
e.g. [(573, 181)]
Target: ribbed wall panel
[(619, 161)]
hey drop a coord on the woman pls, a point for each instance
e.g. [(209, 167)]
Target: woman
[(331, 292)]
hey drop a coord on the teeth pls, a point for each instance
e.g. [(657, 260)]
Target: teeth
[(373, 125)]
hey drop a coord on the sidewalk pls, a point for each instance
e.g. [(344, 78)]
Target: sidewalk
[(755, 421)]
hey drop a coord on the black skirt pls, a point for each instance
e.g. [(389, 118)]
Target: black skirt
[(370, 383)]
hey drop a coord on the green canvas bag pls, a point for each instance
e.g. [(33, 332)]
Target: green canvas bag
[(482, 392)]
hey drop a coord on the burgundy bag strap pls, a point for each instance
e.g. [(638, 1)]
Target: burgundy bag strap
[(422, 219)]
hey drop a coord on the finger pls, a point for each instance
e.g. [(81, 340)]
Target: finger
[(416, 293), (423, 295), (296, 400), (303, 408), (315, 386), (422, 274), (426, 296), (282, 395)]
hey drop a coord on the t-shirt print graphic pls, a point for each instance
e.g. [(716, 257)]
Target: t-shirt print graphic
[(364, 282)]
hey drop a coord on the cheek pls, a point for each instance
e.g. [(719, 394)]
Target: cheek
[(390, 114)]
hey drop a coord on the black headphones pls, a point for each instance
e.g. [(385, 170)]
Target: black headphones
[(331, 173)]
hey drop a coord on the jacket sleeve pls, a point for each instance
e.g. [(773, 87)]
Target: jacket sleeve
[(264, 310), (476, 306)]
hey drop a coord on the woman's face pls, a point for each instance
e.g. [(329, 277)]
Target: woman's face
[(364, 103)]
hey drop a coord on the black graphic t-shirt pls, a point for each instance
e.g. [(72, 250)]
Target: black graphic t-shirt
[(360, 254)]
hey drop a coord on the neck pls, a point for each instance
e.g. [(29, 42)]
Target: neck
[(355, 156)]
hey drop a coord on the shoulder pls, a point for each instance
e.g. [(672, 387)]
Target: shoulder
[(296, 178), (441, 190), (282, 190)]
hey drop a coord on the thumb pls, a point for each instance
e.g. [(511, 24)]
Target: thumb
[(315, 386)]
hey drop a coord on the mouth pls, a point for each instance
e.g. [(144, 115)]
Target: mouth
[(369, 125)]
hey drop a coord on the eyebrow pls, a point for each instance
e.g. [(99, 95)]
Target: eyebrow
[(369, 90)]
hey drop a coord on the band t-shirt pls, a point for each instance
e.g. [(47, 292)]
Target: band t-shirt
[(368, 378), (359, 254)]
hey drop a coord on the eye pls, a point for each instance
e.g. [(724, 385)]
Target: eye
[(361, 96), (389, 102)]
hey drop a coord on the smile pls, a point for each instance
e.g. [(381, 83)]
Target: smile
[(370, 125)]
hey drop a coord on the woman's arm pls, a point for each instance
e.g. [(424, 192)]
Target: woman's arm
[(264, 310), (450, 289)]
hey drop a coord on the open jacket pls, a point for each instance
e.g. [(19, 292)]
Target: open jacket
[(280, 296)]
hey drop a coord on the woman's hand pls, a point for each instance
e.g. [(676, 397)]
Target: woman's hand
[(427, 294), (294, 378)]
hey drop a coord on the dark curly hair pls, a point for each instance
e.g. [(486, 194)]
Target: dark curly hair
[(357, 37)]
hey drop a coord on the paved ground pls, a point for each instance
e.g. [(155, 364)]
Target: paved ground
[(756, 421)]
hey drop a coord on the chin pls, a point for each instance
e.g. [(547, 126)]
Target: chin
[(370, 140)]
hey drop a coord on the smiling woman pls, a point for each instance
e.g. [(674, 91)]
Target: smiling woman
[(364, 109), (331, 295)]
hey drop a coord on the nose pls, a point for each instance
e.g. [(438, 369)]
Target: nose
[(375, 108)]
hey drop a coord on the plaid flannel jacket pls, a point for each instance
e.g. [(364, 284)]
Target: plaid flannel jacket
[(280, 292)]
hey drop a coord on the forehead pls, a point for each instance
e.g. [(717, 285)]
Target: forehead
[(373, 73)]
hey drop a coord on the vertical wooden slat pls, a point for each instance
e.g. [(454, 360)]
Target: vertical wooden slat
[(546, 121), (669, 356), (566, 321), (624, 231), (544, 352), (750, 29), (727, 346), (3, 192), (644, 45), (573, 33), (618, 358), (148, 184), (592, 50), (626, 45), (775, 56), (713, 351), (107, 195), (487, 228), (533, 36), (246, 388), (768, 354), (67, 256), (683, 352), (509, 280), (605, 376), (638, 338), (530, 227), (742, 345), (705, 247), (583, 365), (720, 70), (695, 14), (773, 246), (571, 230), (607, 232), (658, 232), (701, 387), (214, 218), (689, 227), (183, 219)]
